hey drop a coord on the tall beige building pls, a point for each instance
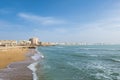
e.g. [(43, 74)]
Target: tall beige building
[(34, 41)]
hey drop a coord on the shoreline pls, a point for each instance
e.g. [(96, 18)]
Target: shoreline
[(19, 70)]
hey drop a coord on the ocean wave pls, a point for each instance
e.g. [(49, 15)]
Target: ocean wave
[(103, 76), (115, 60), (93, 55), (74, 65), (95, 71), (98, 49), (108, 75), (78, 55), (33, 68), (59, 47), (83, 55), (37, 56), (105, 71)]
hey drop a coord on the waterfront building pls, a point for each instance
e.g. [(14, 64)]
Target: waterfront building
[(8, 42), (47, 44), (24, 43), (34, 41)]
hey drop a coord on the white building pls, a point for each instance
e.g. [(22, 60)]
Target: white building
[(24, 42), (8, 42)]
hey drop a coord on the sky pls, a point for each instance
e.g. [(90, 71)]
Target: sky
[(91, 21)]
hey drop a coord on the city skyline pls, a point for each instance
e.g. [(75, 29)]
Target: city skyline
[(90, 21)]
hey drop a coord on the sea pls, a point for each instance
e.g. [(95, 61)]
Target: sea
[(85, 62)]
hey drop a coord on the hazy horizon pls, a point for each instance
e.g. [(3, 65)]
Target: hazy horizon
[(91, 21)]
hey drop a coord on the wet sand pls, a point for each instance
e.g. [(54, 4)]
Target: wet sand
[(18, 70)]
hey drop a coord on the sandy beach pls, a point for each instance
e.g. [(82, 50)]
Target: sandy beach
[(14, 62)]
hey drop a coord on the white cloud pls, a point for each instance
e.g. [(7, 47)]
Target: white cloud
[(40, 20), (105, 30)]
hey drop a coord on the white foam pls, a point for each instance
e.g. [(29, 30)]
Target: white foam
[(33, 68), (118, 77), (94, 55), (37, 56), (116, 60), (104, 49), (101, 75)]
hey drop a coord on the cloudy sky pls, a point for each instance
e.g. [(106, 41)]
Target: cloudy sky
[(61, 20)]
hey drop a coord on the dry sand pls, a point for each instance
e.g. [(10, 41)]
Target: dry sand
[(14, 62), (11, 55)]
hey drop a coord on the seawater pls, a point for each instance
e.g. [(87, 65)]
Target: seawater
[(91, 62)]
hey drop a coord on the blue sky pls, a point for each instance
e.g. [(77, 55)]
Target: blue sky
[(61, 20)]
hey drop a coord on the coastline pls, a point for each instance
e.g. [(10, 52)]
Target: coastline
[(19, 70)]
